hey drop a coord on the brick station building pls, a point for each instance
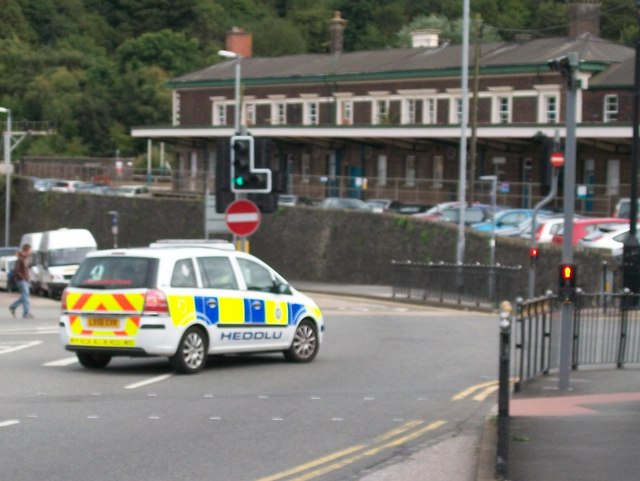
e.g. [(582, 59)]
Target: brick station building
[(386, 123)]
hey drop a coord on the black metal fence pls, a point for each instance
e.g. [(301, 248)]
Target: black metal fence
[(605, 330), (470, 284), (605, 327)]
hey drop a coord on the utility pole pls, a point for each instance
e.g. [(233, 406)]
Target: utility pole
[(473, 148), (568, 67)]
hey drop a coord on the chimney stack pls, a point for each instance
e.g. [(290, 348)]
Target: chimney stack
[(584, 17), (240, 42), (336, 25)]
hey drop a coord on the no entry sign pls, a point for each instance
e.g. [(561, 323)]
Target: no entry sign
[(242, 217), (557, 159)]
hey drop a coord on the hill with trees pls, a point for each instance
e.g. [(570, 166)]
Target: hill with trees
[(97, 67)]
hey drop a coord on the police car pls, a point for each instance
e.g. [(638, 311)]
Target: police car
[(184, 302)]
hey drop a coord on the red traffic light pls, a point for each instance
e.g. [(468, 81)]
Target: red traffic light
[(567, 272), (533, 253)]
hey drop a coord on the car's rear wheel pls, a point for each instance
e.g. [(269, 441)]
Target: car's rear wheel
[(305, 345), (191, 355), (93, 360)]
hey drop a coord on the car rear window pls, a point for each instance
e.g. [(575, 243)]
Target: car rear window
[(116, 273)]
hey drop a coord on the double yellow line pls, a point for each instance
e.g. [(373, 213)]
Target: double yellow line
[(332, 462)]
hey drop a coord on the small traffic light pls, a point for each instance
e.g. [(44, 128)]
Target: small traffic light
[(567, 286), (533, 254), (245, 178)]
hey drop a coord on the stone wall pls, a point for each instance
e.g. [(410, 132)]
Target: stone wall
[(302, 243)]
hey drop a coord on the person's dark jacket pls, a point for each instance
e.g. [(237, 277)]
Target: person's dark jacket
[(21, 270)]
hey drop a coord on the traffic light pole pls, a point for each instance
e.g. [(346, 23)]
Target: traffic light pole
[(630, 246), (567, 307)]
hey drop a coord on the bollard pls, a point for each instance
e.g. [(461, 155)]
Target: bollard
[(503, 389)]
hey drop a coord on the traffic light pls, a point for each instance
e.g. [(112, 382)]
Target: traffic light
[(224, 196), (245, 178), (567, 286), (533, 255)]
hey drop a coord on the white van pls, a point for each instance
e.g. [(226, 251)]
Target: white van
[(61, 251), (33, 239)]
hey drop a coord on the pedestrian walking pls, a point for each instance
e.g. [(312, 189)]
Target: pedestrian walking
[(21, 276)]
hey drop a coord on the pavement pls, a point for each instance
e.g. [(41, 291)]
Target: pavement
[(589, 432)]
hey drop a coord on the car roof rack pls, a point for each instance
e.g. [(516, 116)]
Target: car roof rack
[(205, 243)]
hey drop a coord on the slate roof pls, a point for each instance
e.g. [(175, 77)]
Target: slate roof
[(619, 75), (442, 58)]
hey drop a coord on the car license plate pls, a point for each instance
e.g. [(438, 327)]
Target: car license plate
[(102, 322)]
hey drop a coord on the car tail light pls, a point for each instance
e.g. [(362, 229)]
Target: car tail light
[(155, 302)]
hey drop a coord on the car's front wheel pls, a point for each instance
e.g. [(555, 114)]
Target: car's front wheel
[(305, 345), (93, 360), (191, 355)]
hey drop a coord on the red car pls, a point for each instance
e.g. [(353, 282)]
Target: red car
[(584, 226)]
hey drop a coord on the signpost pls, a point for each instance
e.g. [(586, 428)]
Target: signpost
[(242, 217)]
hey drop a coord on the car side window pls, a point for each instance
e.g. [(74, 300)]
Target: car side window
[(257, 277), (217, 273), (183, 274)]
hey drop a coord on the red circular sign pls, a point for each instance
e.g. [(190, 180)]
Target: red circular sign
[(242, 217), (557, 159)]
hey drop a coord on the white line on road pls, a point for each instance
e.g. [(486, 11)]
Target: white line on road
[(67, 361), (146, 382), (10, 422), (8, 349)]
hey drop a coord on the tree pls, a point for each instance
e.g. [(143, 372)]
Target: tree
[(274, 37), (172, 51)]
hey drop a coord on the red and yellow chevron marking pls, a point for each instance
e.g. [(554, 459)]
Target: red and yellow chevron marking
[(104, 302)]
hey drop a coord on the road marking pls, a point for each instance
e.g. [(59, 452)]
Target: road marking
[(146, 382), (6, 349), (9, 422), (332, 462), (21, 331), (482, 395), (470, 390), (67, 361)]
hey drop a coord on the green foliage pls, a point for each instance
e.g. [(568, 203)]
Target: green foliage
[(98, 67)]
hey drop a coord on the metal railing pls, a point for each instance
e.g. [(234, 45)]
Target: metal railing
[(606, 331), (462, 284), (600, 200)]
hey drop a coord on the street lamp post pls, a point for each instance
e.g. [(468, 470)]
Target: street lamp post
[(232, 55), (7, 173), (630, 246)]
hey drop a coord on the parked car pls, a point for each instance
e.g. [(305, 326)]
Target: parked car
[(344, 203), (384, 205), (65, 185), (582, 227), (287, 200), (511, 222), (44, 185), (410, 209), (623, 208), (7, 263), (473, 214), (612, 240), (61, 251), (131, 190)]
